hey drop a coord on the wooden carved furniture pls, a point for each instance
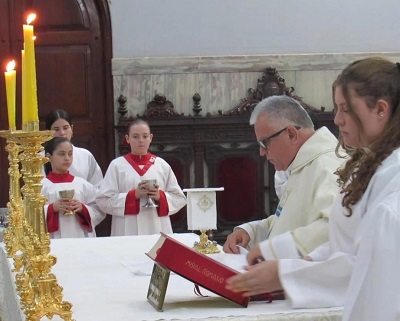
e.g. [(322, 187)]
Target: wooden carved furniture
[(218, 151)]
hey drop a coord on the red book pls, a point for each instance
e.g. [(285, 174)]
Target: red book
[(196, 267)]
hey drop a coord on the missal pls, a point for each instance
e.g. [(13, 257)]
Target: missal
[(201, 269)]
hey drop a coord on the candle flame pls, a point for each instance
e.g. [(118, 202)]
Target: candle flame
[(11, 65), (34, 38), (30, 18)]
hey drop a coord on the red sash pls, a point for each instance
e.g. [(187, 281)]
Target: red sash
[(60, 178), (140, 160)]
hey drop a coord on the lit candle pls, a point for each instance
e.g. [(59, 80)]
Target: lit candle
[(30, 71), (10, 77), (34, 108), (24, 91)]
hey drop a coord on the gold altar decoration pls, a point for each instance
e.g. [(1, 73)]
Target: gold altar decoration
[(202, 216), (206, 246), (26, 239)]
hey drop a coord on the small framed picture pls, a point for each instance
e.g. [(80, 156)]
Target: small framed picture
[(158, 286)]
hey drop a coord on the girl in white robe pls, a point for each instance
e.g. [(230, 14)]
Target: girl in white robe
[(358, 267), (123, 192), (84, 213), (84, 164)]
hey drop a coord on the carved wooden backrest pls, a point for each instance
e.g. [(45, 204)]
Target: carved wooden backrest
[(270, 84)]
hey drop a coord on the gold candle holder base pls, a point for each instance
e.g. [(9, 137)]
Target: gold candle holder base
[(206, 246), (40, 293)]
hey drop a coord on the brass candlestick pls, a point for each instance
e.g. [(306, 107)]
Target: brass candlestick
[(14, 234), (32, 164), (37, 286)]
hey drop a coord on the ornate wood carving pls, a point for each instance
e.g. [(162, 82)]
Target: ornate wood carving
[(196, 105), (270, 84), (160, 107), (122, 110)]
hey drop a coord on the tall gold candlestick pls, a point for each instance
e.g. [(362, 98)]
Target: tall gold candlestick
[(40, 293)]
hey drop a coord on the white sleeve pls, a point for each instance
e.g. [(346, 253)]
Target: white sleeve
[(309, 284), (175, 197), (109, 199), (374, 287), (321, 253), (96, 215), (258, 230), (281, 246), (95, 175)]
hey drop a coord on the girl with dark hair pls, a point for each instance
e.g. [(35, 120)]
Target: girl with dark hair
[(358, 267), (65, 216), (84, 164), (124, 192)]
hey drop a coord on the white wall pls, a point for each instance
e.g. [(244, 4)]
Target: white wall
[(151, 28)]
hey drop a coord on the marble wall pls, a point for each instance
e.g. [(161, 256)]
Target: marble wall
[(222, 81)]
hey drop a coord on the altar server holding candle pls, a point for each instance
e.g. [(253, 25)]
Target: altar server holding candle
[(85, 213), (124, 192)]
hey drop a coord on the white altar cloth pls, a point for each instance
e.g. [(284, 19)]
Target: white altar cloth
[(107, 279)]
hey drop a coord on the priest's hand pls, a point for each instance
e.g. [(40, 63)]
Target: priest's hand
[(238, 237), (254, 256), (260, 278)]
